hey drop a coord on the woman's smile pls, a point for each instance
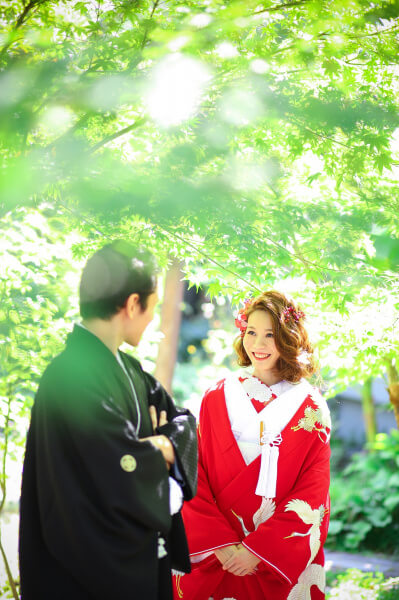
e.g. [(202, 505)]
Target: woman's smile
[(261, 355)]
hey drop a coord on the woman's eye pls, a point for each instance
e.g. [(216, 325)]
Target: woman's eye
[(251, 332), (269, 335)]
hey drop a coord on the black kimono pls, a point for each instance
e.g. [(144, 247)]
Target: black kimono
[(95, 500)]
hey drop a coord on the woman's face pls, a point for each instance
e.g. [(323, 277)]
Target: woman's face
[(260, 346)]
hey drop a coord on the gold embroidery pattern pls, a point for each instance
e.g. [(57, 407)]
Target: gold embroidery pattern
[(178, 588), (311, 517), (309, 421)]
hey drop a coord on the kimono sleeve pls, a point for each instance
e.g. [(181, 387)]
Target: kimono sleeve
[(92, 453), (181, 431), (206, 526), (293, 536)]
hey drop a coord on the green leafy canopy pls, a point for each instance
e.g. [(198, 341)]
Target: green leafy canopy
[(257, 141)]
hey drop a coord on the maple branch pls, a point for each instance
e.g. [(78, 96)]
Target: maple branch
[(327, 137), (299, 256), (147, 29), (3, 484), (378, 32), (87, 220), (4, 457), (167, 232), (136, 59), (320, 135), (8, 572), (114, 136), (280, 6), (23, 17)]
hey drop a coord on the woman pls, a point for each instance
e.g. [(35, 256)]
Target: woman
[(257, 526)]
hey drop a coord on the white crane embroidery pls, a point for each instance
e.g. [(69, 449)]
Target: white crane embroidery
[(312, 575), (311, 517), (264, 512), (245, 530)]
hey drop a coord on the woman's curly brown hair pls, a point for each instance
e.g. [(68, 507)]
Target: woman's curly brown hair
[(290, 336)]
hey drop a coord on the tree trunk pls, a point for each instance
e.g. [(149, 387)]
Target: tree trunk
[(393, 388), (370, 423), (170, 325)]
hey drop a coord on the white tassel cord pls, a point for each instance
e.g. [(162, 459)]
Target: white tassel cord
[(267, 480)]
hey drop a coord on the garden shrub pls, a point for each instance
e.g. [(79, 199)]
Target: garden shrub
[(365, 499), (355, 584)]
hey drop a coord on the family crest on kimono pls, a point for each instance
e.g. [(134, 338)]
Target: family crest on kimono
[(109, 457), (257, 525)]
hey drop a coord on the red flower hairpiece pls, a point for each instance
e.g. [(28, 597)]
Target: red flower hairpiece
[(290, 312), (241, 320)]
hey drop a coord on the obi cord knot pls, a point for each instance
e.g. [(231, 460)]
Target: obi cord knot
[(270, 438)]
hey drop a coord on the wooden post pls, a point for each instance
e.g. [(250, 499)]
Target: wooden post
[(170, 325), (393, 388), (369, 411)]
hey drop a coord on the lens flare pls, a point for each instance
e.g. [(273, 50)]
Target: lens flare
[(176, 89)]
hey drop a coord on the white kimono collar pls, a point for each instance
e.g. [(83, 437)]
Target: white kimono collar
[(278, 413), (275, 417)]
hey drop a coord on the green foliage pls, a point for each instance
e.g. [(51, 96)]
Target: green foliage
[(35, 310), (257, 143), (365, 499), (6, 591), (389, 594), (363, 586)]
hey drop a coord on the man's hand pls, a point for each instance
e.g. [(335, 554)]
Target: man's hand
[(223, 554), (163, 418), (161, 441), (164, 445), (242, 562)]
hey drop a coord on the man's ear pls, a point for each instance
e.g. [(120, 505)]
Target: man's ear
[(133, 305)]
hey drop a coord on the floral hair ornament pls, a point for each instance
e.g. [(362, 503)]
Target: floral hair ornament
[(291, 313), (241, 320)]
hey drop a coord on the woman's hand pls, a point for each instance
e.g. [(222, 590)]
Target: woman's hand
[(161, 441), (223, 554), (242, 562)]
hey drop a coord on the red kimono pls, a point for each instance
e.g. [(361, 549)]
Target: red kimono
[(276, 505)]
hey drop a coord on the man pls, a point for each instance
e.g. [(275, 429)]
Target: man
[(107, 455)]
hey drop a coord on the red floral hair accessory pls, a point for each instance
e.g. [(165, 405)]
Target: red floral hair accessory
[(241, 320), (290, 312)]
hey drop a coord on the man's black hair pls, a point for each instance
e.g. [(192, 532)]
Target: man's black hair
[(111, 275)]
